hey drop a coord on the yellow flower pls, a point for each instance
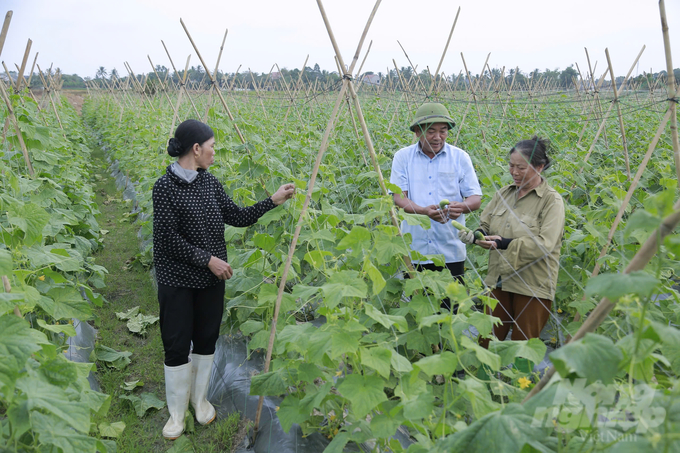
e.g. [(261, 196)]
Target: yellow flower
[(338, 373), (559, 310), (524, 382), (41, 278), (333, 417), (277, 408)]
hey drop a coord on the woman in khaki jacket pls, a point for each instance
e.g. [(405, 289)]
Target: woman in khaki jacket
[(523, 226)]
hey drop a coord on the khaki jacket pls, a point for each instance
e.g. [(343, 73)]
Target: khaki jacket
[(535, 222)]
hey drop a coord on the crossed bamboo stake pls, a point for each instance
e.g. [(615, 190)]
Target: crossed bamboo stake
[(346, 84)]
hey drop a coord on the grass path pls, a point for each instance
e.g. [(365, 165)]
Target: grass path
[(128, 285)]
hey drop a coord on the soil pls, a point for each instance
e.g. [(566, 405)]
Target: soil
[(74, 97)]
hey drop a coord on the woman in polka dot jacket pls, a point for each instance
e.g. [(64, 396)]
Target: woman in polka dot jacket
[(190, 255)]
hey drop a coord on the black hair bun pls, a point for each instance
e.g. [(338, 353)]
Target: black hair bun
[(174, 147)]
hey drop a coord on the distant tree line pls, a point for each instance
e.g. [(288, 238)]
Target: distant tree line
[(196, 78)]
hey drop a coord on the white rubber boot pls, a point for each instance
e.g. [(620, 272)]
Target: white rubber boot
[(202, 368), (177, 391)]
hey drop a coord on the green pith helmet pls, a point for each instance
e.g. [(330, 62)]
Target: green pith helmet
[(431, 113)]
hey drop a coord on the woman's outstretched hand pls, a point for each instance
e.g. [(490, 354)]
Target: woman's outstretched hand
[(284, 193), (490, 242), (221, 269)]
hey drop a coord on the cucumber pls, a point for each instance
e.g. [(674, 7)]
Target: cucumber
[(443, 203), (459, 226), (478, 234)]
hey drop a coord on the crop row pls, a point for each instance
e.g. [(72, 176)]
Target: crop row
[(370, 367)]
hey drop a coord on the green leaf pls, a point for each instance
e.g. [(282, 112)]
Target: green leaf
[(305, 293), (264, 241), (478, 395), (129, 386), (364, 392), (417, 398), (444, 363), (182, 444), (53, 431), (613, 286), (5, 262), (9, 300), (66, 329), (112, 430), (66, 303), (268, 295), (343, 342), (387, 247), (359, 238), (29, 218), (111, 357), (291, 412), (139, 323), (316, 258), (375, 275), (18, 339), (387, 321), (251, 326), (594, 357), (144, 402), (400, 363), (488, 358), (641, 220), (53, 399), (296, 336), (492, 433), (417, 220), (483, 323), (268, 384), (533, 350), (378, 358), (128, 314), (59, 371), (343, 284)]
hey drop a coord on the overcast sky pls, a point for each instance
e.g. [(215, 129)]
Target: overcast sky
[(80, 36)]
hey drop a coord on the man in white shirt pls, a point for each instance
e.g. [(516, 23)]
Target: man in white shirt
[(428, 172)]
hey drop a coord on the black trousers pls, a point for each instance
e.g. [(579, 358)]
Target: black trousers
[(457, 270), (189, 315)]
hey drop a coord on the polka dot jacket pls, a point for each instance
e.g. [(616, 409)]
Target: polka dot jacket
[(188, 227)]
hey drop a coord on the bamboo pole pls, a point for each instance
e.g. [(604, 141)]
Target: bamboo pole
[(30, 75), (415, 72), (140, 88), (670, 81), (5, 28), (15, 122), (182, 81), (163, 86), (292, 99), (474, 96), (629, 194), (611, 106), (324, 144), (257, 92), (446, 48), (215, 86), (212, 79), (20, 74), (597, 94), (618, 110), (49, 94)]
